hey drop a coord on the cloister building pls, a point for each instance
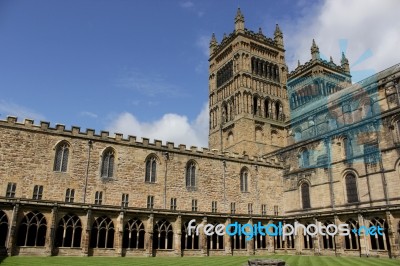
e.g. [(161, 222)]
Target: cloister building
[(303, 146)]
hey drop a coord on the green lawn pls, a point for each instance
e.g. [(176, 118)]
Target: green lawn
[(194, 261)]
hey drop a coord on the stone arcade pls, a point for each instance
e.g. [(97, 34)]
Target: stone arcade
[(306, 146)]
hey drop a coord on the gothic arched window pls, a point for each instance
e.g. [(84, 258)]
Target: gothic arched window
[(3, 228), (244, 175), (352, 240), (191, 174), (133, 234), (102, 233), (189, 241), (351, 188), (380, 241), (32, 230), (348, 150), (305, 195), (69, 232), (107, 165), (305, 158), (151, 169), (163, 235), (61, 157)]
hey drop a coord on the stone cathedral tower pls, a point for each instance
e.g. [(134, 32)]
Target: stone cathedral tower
[(247, 91)]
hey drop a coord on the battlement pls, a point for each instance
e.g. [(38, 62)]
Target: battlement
[(120, 139), (227, 39), (308, 65)]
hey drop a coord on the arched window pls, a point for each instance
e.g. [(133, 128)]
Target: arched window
[(255, 105), (224, 113), (189, 241), (380, 241), (102, 235), (244, 180), (61, 158), (107, 165), (3, 229), (352, 241), (308, 239), (238, 241), (305, 158), (351, 188), (69, 232), (163, 235), (305, 195), (283, 243), (32, 230), (191, 174), (327, 238), (278, 110), (133, 234), (151, 169), (347, 147), (267, 108)]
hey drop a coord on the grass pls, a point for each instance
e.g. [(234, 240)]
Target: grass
[(195, 261)]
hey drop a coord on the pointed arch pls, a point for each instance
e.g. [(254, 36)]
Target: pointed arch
[(191, 174), (305, 195), (107, 162), (351, 188), (352, 241), (32, 230), (189, 241), (61, 157), (134, 234), (102, 235), (69, 232), (163, 235), (327, 239), (3, 228), (304, 156), (244, 179), (380, 241), (151, 168)]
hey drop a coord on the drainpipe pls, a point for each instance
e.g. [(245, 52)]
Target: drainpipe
[(224, 178), (166, 157), (256, 185), (90, 145), (328, 152)]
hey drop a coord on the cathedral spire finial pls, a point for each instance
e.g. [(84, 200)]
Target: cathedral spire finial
[(345, 63), (213, 43), (277, 30), (239, 15), (239, 21), (314, 50), (278, 36)]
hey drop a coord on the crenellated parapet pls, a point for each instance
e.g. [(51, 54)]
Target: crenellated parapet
[(119, 139)]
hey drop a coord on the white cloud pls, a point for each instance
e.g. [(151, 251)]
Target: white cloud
[(8, 108), (362, 24), (89, 114), (187, 4), (170, 127)]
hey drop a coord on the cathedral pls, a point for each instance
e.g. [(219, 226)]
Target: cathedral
[(305, 146)]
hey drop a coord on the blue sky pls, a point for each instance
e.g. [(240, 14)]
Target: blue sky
[(140, 67)]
